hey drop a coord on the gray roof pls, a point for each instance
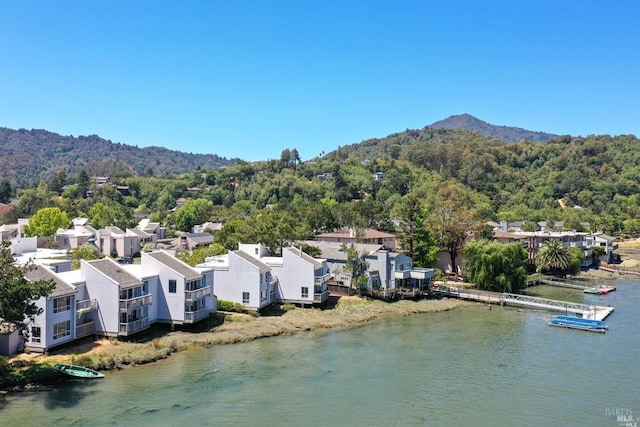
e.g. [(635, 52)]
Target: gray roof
[(333, 250), (115, 272), (176, 265), (257, 263), (316, 264), (43, 273), (140, 233)]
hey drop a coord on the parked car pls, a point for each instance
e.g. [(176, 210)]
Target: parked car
[(125, 260)]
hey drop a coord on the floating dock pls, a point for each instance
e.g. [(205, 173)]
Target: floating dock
[(586, 311), (579, 323)]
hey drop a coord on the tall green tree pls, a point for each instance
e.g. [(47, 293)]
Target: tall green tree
[(46, 222), (496, 266), (356, 267), (552, 256), (5, 191), (18, 295), (453, 225), (192, 212)]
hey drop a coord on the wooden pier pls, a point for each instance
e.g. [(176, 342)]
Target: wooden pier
[(584, 310)]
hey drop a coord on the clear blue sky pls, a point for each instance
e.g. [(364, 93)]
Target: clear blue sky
[(248, 79)]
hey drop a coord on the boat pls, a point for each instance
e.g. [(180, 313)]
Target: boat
[(77, 371), (580, 323), (595, 322), (600, 290)]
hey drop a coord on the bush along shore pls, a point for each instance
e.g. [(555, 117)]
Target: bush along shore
[(25, 371)]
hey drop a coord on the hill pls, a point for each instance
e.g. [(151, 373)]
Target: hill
[(503, 133), (28, 156)]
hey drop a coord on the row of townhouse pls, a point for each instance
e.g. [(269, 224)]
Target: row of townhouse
[(252, 277), (108, 299)]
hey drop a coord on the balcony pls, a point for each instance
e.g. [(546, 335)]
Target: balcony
[(86, 306), (85, 329), (127, 305), (322, 279), (194, 316), (133, 327), (191, 296), (320, 296)]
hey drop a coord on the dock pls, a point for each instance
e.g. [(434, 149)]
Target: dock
[(586, 311)]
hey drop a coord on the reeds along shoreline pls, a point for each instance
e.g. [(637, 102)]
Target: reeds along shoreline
[(224, 328)]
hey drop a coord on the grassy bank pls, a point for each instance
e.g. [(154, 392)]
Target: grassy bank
[(225, 328)]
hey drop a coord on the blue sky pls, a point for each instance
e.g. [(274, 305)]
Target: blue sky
[(248, 79)]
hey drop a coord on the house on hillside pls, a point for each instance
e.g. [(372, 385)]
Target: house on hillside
[(191, 241), (112, 240), (369, 236), (80, 234)]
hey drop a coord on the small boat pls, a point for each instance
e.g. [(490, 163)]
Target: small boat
[(580, 323), (600, 290), (77, 371), (583, 320)]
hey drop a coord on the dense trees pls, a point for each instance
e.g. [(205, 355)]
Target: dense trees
[(46, 222), (439, 188), (495, 266)]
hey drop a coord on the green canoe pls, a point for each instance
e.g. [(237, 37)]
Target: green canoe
[(77, 371)]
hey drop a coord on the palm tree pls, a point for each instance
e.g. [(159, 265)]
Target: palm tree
[(553, 256)]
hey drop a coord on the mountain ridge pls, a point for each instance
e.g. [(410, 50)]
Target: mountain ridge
[(28, 156), (503, 133)]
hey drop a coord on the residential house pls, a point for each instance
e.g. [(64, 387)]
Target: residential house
[(608, 243), (242, 278), (113, 241), (125, 301), (378, 176), (189, 241), (301, 279), (211, 226), (80, 234), (385, 270), (64, 316), (369, 236), (143, 237), (150, 227), (185, 294)]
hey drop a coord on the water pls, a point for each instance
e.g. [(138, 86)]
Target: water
[(470, 366)]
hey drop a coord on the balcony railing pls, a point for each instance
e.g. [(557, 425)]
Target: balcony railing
[(190, 296), (194, 316), (322, 279), (320, 297), (85, 329), (133, 327), (131, 304), (85, 306)]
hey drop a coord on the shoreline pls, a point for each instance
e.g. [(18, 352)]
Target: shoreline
[(106, 354)]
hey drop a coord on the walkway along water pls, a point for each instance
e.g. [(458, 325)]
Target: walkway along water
[(585, 310)]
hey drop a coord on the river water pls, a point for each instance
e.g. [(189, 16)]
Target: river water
[(467, 367)]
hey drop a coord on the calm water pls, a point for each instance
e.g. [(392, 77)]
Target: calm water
[(468, 367)]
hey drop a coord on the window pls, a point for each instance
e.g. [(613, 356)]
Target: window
[(62, 329), (245, 298), (172, 286), (305, 292), (35, 333), (61, 304)]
